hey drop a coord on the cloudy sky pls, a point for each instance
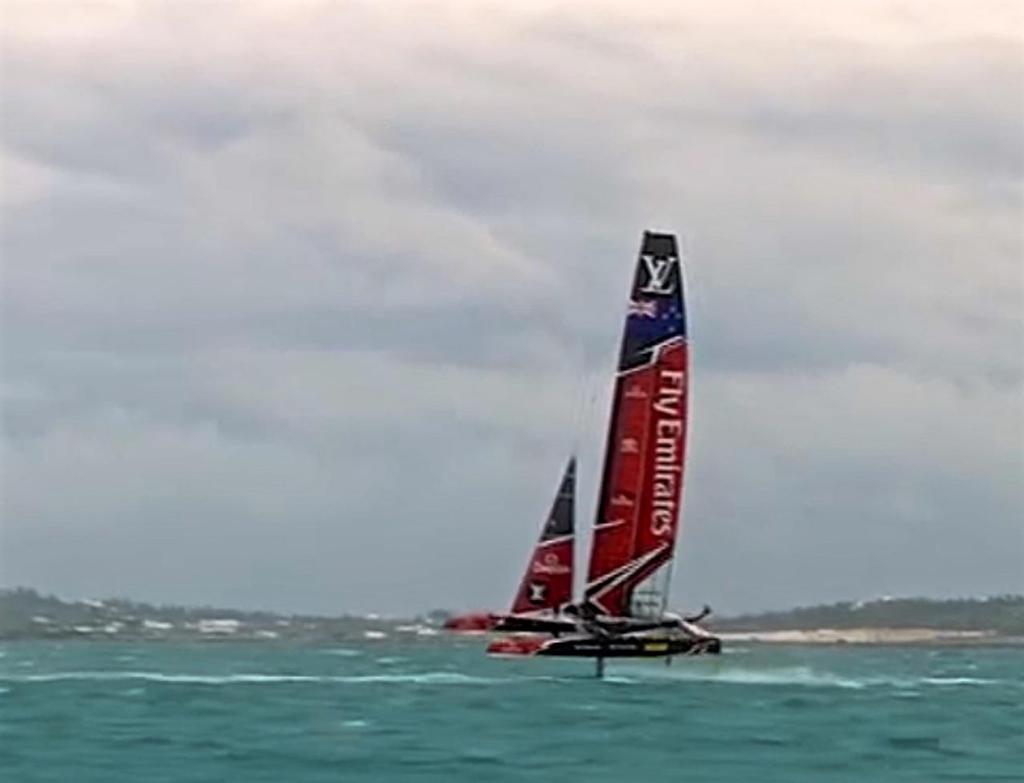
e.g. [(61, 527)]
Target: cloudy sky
[(304, 304)]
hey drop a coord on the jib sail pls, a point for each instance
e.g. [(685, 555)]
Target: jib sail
[(547, 583), (641, 486)]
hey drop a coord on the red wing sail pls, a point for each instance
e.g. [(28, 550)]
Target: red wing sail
[(641, 486), (547, 583)]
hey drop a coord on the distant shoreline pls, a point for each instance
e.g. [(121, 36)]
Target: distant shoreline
[(874, 636), (822, 637), (27, 614)]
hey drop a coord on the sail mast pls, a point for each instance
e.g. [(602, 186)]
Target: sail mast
[(638, 505)]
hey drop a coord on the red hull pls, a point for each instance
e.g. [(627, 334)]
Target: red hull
[(516, 645), (472, 622)]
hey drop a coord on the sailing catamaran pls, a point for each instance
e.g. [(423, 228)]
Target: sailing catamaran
[(623, 609)]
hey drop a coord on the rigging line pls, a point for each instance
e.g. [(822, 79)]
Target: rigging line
[(572, 367), (600, 378), (667, 585), (561, 333), (579, 374), (575, 369)]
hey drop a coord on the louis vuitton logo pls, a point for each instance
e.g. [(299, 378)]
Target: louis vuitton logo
[(659, 274)]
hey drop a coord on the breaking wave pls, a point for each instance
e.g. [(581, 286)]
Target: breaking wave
[(423, 678), (201, 679), (738, 676), (797, 675), (617, 675), (958, 681)]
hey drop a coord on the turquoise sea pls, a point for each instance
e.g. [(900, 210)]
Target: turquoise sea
[(439, 710)]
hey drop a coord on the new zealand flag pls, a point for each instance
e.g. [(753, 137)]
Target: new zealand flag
[(656, 311)]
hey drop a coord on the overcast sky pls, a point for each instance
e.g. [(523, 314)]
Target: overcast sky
[(305, 304)]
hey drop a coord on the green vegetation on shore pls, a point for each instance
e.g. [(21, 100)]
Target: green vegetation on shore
[(27, 614), (1003, 614)]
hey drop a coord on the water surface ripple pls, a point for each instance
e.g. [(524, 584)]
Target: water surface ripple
[(442, 711)]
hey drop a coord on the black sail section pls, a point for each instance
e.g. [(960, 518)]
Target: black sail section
[(547, 583), (561, 519)]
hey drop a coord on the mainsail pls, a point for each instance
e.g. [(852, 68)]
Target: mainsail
[(641, 486), (547, 583)]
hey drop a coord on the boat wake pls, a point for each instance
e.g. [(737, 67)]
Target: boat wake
[(787, 676), (797, 675)]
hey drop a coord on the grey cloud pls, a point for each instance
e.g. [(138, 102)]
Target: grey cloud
[(310, 326)]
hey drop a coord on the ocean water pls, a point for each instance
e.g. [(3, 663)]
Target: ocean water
[(440, 710)]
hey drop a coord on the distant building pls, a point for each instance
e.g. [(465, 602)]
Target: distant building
[(219, 626)]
